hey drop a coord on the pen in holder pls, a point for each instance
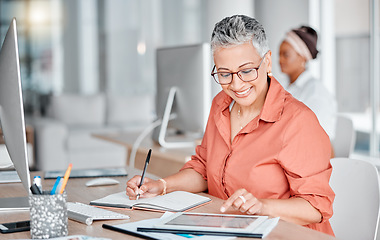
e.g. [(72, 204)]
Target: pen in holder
[(48, 215)]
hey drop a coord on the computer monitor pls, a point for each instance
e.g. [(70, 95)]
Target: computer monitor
[(11, 105), (184, 92)]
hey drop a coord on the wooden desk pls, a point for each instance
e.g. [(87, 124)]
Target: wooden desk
[(77, 191), (164, 162)]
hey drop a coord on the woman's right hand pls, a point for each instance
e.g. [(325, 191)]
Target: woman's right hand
[(149, 188)]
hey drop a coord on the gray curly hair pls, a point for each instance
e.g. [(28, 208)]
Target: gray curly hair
[(239, 29)]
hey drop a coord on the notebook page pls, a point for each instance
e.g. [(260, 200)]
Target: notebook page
[(174, 201)]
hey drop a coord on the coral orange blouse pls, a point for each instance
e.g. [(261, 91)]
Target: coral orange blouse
[(282, 153)]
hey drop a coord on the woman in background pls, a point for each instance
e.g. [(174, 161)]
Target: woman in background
[(296, 50), (263, 151)]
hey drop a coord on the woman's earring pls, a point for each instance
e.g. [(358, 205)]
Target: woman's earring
[(270, 74)]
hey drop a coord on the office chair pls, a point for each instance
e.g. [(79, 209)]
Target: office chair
[(345, 137), (356, 205)]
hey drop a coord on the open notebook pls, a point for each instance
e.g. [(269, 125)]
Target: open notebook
[(178, 201)]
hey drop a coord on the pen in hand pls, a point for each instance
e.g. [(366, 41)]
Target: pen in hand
[(143, 173)]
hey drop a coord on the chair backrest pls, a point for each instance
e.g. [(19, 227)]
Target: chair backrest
[(356, 205), (345, 137)]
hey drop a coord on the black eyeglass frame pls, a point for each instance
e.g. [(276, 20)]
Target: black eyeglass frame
[(238, 73)]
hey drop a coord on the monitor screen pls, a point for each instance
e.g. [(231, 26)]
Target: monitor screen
[(186, 70), (11, 105)]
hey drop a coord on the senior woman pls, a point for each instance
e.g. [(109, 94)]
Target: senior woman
[(263, 151)]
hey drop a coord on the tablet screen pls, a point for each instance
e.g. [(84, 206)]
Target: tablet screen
[(218, 221)]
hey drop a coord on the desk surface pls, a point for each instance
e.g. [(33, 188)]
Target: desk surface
[(77, 191)]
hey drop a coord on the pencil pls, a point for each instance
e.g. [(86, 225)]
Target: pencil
[(66, 178)]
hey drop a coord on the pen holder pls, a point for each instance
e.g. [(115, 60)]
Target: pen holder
[(48, 216)]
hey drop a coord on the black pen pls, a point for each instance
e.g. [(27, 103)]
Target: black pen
[(144, 171), (35, 189)]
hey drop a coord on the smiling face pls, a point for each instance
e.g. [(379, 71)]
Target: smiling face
[(236, 58)]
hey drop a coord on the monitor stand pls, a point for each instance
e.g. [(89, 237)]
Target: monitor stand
[(164, 125)]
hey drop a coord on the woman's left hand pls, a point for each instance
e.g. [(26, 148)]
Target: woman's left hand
[(243, 201)]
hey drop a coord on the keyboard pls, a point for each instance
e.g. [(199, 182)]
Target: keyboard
[(85, 213)]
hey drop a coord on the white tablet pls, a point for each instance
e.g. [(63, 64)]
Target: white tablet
[(208, 222)]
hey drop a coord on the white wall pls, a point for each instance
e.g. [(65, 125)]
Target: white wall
[(80, 47), (57, 46), (352, 17), (219, 9), (70, 46), (121, 25), (327, 45), (88, 47)]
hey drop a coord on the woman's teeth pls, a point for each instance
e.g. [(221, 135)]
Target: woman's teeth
[(244, 92)]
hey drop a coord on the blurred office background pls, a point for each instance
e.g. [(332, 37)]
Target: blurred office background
[(108, 46)]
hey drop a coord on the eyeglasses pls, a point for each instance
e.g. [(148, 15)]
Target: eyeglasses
[(246, 75)]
